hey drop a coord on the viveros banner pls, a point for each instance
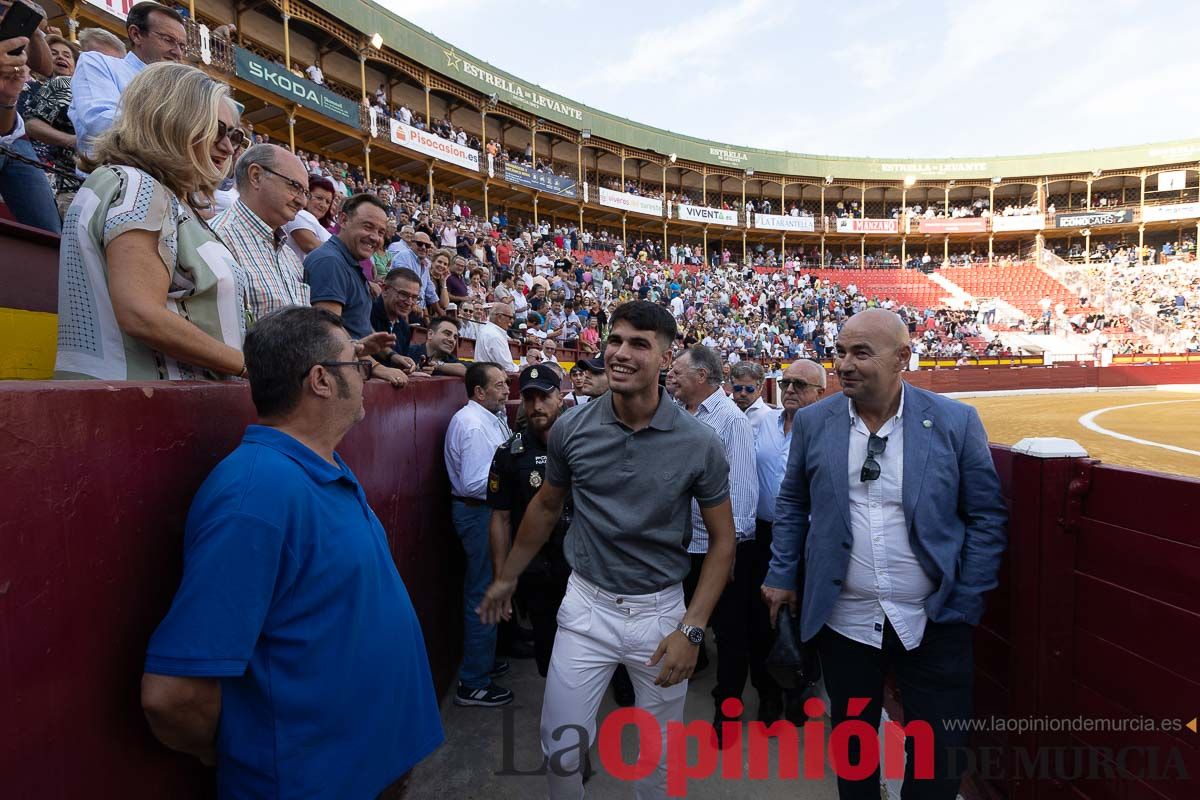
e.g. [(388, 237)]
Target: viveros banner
[(1171, 213), (785, 222), (1086, 219), (717, 216), (852, 225), (276, 78), (952, 225), (631, 202), (537, 179), (432, 145), (1022, 222)]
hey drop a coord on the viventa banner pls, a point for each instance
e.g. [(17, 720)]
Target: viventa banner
[(432, 145), (631, 202), (716, 216), (1021, 222), (852, 225), (276, 78), (784, 222), (1086, 219)]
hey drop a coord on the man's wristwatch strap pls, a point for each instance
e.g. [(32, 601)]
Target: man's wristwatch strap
[(694, 634)]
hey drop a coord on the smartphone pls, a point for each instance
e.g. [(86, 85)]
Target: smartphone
[(23, 19)]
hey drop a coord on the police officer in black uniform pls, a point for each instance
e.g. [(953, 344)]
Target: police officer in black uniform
[(518, 470)]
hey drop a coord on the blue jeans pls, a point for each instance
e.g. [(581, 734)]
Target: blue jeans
[(26, 190), (479, 640)]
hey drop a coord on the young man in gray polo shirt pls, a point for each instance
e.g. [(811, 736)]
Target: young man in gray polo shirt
[(633, 461)]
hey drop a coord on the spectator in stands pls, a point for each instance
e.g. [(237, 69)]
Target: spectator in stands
[(98, 40), (439, 354), (747, 379), (272, 188), (156, 34), (913, 610), (22, 184), (311, 227), (389, 313), (492, 342), (315, 75), (268, 639), (136, 249), (47, 123), (475, 431), (337, 281)]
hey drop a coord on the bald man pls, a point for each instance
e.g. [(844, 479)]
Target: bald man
[(890, 517), (491, 342)]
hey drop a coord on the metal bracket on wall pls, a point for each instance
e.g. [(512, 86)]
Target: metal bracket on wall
[(1077, 491)]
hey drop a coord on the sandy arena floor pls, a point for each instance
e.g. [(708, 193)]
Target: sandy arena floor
[(1165, 418)]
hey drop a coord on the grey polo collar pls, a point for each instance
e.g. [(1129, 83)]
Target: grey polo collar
[(664, 415)]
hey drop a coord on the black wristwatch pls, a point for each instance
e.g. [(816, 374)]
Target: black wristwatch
[(694, 634)]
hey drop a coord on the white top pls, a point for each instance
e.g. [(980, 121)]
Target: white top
[(491, 344), (471, 442), (723, 416), (306, 222), (771, 449), (884, 579)]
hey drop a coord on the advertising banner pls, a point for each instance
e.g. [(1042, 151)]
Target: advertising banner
[(276, 78), (1171, 213), (951, 225), (717, 216), (1086, 219), (118, 8), (536, 179), (851, 225), (1172, 180), (432, 145), (1025, 222), (630, 202), (785, 222)]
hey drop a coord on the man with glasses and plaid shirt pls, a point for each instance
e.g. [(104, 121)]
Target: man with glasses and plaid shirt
[(891, 510)]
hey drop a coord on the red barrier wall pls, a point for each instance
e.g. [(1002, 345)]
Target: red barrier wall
[(93, 495)]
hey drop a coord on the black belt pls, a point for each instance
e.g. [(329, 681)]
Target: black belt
[(469, 501)]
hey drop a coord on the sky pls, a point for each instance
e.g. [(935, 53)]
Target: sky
[(899, 78)]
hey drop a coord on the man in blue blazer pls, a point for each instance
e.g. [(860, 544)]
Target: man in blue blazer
[(890, 518)]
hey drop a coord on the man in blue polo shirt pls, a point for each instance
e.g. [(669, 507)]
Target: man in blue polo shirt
[(291, 656), (337, 281)]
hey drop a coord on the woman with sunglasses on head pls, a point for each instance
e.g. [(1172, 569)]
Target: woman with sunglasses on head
[(146, 290), (312, 227)]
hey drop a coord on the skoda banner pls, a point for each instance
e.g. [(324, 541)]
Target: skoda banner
[(537, 179), (276, 78), (1086, 219), (433, 145), (784, 222), (716, 216), (631, 202)]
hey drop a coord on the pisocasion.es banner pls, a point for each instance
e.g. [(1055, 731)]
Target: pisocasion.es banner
[(785, 222), (715, 216), (431, 145), (631, 202)]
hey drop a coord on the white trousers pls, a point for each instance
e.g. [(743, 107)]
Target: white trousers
[(596, 631)]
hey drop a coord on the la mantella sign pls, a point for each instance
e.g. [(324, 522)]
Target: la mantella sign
[(524, 95)]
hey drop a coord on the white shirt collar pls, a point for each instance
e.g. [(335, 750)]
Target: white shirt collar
[(899, 411)]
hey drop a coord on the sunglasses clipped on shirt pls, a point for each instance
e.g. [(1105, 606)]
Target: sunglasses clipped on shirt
[(870, 468)]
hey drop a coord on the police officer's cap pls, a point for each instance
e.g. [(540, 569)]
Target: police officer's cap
[(540, 377)]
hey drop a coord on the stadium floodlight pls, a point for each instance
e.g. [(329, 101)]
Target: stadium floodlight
[(493, 98), (586, 133), (377, 41), (909, 180), (749, 172), (828, 179), (951, 183), (1086, 232), (673, 158), (1096, 172), (996, 179)]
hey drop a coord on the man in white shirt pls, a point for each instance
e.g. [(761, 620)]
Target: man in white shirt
[(315, 75), (475, 431), (491, 343), (747, 378)]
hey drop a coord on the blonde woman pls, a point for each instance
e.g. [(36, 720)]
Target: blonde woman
[(146, 290)]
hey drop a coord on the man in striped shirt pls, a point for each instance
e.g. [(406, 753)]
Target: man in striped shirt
[(697, 374), (272, 188)]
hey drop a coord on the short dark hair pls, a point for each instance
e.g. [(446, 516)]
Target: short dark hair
[(139, 15), (477, 375), (402, 274), (351, 205), (280, 349), (643, 315), (433, 323)]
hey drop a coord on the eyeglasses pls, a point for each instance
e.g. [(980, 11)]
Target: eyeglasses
[(236, 136), (403, 295), (870, 468), (741, 389), (298, 188), (797, 384), (364, 367), (169, 40)]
